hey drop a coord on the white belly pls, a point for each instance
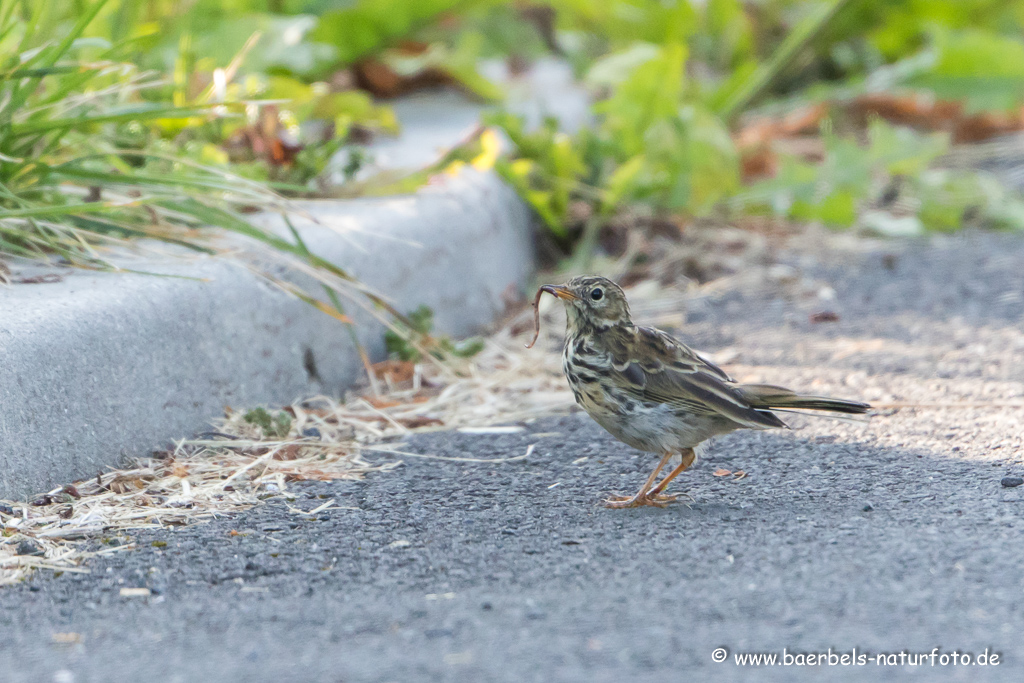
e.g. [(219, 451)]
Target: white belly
[(657, 428)]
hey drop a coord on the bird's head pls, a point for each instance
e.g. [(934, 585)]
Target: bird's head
[(592, 303)]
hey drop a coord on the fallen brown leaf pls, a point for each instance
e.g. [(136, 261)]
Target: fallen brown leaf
[(925, 113), (380, 79), (762, 131), (395, 371), (289, 452), (759, 162)]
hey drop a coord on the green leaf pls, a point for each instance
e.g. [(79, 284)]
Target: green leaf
[(622, 185), (462, 64), (984, 69), (616, 67), (370, 25), (809, 28), (902, 151), (837, 209), (622, 22), (650, 94)]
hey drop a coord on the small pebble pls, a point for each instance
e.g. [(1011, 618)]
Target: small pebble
[(868, 507), (311, 432), (1010, 482)]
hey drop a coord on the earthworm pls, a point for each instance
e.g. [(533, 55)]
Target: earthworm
[(536, 319)]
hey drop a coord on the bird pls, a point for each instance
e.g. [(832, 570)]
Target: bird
[(654, 393)]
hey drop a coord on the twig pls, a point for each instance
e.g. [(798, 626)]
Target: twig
[(379, 449), (263, 458)]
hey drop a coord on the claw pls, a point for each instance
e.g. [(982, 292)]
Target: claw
[(659, 500)]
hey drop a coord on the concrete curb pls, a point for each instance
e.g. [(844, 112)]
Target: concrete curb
[(99, 367)]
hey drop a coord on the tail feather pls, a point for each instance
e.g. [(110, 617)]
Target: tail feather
[(768, 396)]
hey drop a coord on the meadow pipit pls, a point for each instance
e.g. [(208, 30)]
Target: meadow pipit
[(654, 393)]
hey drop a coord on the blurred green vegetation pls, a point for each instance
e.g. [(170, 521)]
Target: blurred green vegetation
[(407, 340), (66, 182), (681, 82), (121, 118)]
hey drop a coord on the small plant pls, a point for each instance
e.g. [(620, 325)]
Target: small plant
[(274, 426), (889, 184), (405, 342), (651, 146)]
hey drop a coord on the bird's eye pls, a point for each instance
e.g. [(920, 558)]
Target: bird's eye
[(596, 294)]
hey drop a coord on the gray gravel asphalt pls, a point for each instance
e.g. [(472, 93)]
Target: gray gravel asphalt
[(894, 535)]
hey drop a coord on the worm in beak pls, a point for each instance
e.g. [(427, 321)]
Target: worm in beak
[(555, 290)]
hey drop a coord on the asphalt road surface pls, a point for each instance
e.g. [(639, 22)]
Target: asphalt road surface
[(891, 536)]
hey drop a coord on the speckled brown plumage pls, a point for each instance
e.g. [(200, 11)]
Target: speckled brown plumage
[(653, 392)]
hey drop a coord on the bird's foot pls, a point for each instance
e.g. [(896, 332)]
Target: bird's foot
[(659, 500), (675, 496)]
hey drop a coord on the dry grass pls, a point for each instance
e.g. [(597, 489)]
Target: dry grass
[(233, 468), (192, 483)]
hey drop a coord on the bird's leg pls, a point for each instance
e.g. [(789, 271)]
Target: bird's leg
[(688, 456), (642, 496)]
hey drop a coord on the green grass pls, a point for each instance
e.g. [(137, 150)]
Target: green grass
[(69, 191), (66, 188), (96, 150)]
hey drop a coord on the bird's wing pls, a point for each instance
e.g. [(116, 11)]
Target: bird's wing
[(650, 365)]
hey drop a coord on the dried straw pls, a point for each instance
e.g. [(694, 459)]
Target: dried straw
[(231, 469), (234, 467)]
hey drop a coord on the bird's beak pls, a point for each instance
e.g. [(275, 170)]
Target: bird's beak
[(560, 292)]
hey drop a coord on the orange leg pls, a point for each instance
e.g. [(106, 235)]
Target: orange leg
[(688, 457), (644, 495)]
